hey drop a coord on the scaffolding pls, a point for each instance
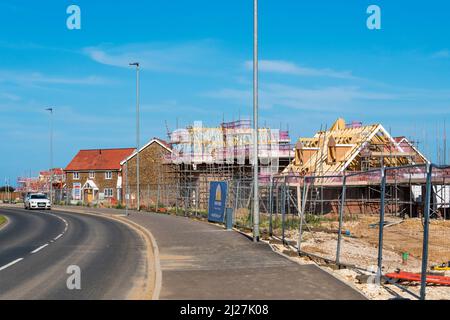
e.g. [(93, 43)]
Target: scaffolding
[(41, 183), (201, 155)]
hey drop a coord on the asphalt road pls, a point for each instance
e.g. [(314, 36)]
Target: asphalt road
[(37, 247)]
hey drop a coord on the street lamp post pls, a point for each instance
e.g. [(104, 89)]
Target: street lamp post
[(8, 198), (127, 191), (255, 125), (51, 153), (137, 136)]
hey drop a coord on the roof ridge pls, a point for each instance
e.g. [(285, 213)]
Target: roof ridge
[(95, 149), (99, 159)]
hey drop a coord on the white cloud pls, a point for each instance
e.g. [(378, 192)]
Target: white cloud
[(324, 98), (178, 58), (173, 107), (231, 94), (286, 67), (36, 78), (445, 53), (9, 96)]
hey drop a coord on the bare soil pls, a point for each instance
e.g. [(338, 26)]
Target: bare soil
[(359, 247)]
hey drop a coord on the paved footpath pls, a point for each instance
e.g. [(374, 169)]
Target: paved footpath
[(203, 261)]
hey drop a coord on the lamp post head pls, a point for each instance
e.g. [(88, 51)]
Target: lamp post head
[(49, 109), (135, 64)]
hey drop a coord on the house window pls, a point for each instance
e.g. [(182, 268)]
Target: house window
[(108, 175), (91, 175), (108, 193), (76, 176)]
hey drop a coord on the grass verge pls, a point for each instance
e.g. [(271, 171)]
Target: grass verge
[(2, 221)]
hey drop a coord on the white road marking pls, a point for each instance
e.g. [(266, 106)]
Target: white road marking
[(40, 248), (10, 264), (66, 227)]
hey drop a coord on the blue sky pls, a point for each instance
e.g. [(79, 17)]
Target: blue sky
[(318, 62)]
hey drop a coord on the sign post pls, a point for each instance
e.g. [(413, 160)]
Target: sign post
[(229, 218), (217, 201)]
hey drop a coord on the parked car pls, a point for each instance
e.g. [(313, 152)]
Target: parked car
[(37, 201)]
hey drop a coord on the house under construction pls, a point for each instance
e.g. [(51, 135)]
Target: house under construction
[(224, 153), (352, 147), (358, 151), (42, 182)]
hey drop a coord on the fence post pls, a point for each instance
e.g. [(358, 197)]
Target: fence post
[(157, 198), (380, 231), (283, 208), (186, 195), (426, 222), (236, 202), (197, 200), (176, 198), (270, 206), (166, 196), (341, 215), (302, 216), (148, 197)]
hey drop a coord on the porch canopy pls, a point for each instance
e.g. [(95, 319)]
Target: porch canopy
[(90, 185)]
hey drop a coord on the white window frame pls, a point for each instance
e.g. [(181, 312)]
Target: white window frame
[(108, 175), (76, 176), (91, 174), (109, 192)]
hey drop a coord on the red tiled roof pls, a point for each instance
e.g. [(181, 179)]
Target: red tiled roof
[(99, 159), (56, 171), (398, 139)]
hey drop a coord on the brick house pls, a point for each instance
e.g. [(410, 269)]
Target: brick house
[(94, 176), (155, 173)]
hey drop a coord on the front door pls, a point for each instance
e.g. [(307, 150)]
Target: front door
[(88, 196)]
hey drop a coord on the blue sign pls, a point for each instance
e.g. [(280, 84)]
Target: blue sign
[(217, 201)]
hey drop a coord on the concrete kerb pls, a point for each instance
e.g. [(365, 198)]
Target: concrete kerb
[(154, 288), (156, 260)]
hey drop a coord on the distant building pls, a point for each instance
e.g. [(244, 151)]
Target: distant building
[(94, 176), (41, 183)]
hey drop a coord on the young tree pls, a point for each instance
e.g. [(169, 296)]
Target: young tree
[(7, 189)]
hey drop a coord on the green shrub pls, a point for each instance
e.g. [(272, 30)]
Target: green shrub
[(119, 206)]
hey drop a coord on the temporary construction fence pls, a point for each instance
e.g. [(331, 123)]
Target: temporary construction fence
[(381, 220)]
